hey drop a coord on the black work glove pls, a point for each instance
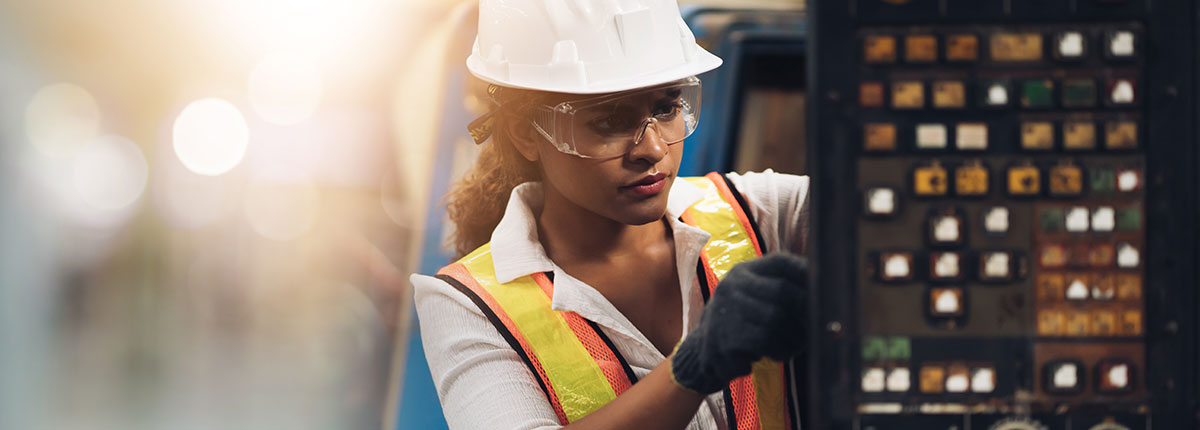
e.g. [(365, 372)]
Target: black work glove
[(757, 311)]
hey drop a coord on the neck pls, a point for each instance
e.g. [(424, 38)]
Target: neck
[(572, 234)]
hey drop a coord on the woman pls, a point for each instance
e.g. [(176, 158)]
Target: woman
[(586, 259)]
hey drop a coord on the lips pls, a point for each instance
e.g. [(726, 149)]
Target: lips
[(647, 186), (649, 179)]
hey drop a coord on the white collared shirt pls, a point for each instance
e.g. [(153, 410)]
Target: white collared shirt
[(482, 382)]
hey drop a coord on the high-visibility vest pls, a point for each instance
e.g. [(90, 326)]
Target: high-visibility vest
[(577, 366)]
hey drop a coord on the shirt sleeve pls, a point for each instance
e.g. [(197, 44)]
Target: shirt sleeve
[(481, 381), (779, 205)]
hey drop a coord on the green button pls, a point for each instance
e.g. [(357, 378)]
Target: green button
[(1103, 180), (1079, 93), (1037, 94), (1129, 219), (899, 349), (873, 348), (1052, 219)]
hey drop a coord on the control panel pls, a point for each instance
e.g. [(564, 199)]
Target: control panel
[(1004, 214)]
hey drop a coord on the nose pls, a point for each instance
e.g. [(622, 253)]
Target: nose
[(648, 145)]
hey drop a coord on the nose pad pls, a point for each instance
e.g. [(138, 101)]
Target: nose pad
[(642, 131), (655, 149)]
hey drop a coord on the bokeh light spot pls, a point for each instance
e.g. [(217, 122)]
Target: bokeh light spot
[(210, 136), (109, 173), (61, 118)]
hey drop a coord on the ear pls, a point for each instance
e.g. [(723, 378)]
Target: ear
[(523, 137)]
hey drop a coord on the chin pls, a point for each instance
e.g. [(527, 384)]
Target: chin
[(645, 212)]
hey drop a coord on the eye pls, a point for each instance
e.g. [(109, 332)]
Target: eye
[(667, 111), (614, 124)]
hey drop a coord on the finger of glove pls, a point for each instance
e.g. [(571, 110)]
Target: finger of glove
[(781, 265)]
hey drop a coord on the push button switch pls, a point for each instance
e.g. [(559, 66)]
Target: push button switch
[(949, 95), (873, 380), (995, 94), (933, 379), (1129, 219), (946, 228), (929, 181), (971, 136), (908, 95), (995, 266), (931, 136), (1053, 256), (1103, 180), (1008, 47), (995, 220), (879, 137), (1121, 135), (1077, 219), (983, 379), (1070, 45), (879, 49), (962, 47), (920, 48), (1066, 180), (870, 94), (946, 302), (1037, 136), (1051, 323), (881, 201), (1129, 180), (1037, 94), (1063, 377), (1051, 220), (1121, 44), (1104, 323), (1104, 219), (1079, 93), (1024, 181), (945, 266), (1114, 376), (899, 380), (1121, 92), (1079, 135), (1128, 256), (971, 180), (895, 266)]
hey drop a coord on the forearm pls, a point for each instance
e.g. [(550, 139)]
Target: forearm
[(654, 402)]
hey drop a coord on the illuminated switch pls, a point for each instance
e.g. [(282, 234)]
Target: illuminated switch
[(1053, 256), (1070, 45), (962, 47), (1121, 92), (1078, 323), (1037, 136), (931, 136), (879, 49), (881, 201), (1104, 219), (995, 266), (1077, 289), (933, 379), (870, 94), (1131, 323), (971, 136), (1016, 46), (897, 266), (1129, 219), (908, 95), (1066, 180), (1121, 44), (945, 266), (1115, 376), (1064, 377), (995, 94), (995, 220), (898, 349), (1051, 219), (1128, 180), (1077, 219), (958, 379), (1129, 287), (1101, 255), (971, 180), (946, 229), (946, 302), (1128, 256), (879, 137), (1037, 94), (930, 180), (873, 348), (1024, 181), (1079, 135), (1052, 323), (873, 380), (921, 48), (1103, 288), (1121, 135), (1103, 180), (899, 380), (983, 379), (1079, 93), (1050, 287), (1104, 323), (949, 94)]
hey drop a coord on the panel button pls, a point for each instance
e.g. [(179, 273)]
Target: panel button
[(1079, 93), (1066, 180), (971, 136), (899, 380), (899, 349), (995, 220), (1129, 180), (1114, 376), (930, 180), (1104, 180), (1024, 181), (1037, 136), (896, 266), (983, 379), (870, 94), (945, 266), (1104, 219), (1103, 287), (1128, 256), (1077, 219), (1079, 135), (1129, 287), (946, 302), (921, 48), (908, 95), (879, 49), (1104, 323), (1016, 46), (1064, 377), (1070, 45), (1077, 288), (946, 229), (873, 380), (1079, 323), (962, 47), (1051, 220), (1131, 323), (1053, 256), (879, 137), (1121, 44), (1129, 219), (949, 94), (1051, 323), (873, 348), (932, 379), (1101, 256), (881, 201), (958, 379), (995, 266), (1121, 92), (1051, 287), (971, 180), (995, 94), (931, 136), (1037, 94), (1121, 134)]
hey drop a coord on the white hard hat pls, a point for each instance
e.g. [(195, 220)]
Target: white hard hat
[(584, 46)]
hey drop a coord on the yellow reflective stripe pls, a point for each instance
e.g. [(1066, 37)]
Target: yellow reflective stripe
[(574, 376), (730, 244), (768, 391)]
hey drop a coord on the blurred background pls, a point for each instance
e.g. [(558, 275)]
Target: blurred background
[(209, 209)]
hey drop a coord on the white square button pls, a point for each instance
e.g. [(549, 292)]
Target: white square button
[(1104, 219), (1070, 45), (997, 95), (931, 136), (996, 266), (983, 380), (873, 380), (1128, 180), (1128, 256), (946, 265), (946, 229), (1121, 44), (899, 380), (972, 136), (995, 220), (881, 201), (1077, 219)]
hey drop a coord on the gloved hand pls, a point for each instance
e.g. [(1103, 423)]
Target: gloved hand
[(757, 311)]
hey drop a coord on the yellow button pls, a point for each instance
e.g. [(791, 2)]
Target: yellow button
[(971, 180), (1079, 135), (1121, 135), (1131, 323), (962, 47), (1016, 46), (879, 49), (920, 48), (1051, 323), (932, 379), (870, 94), (949, 94), (879, 136), (908, 95), (929, 181), (1078, 323), (1037, 136), (1024, 181), (1050, 287), (1104, 323), (1129, 287), (1066, 180)]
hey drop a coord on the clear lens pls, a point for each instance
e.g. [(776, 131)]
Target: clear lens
[(610, 126)]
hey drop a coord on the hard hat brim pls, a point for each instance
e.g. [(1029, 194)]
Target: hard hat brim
[(702, 62)]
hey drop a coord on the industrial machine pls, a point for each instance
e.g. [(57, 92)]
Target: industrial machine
[(1004, 214)]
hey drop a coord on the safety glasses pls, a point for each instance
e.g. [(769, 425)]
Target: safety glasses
[(609, 126)]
